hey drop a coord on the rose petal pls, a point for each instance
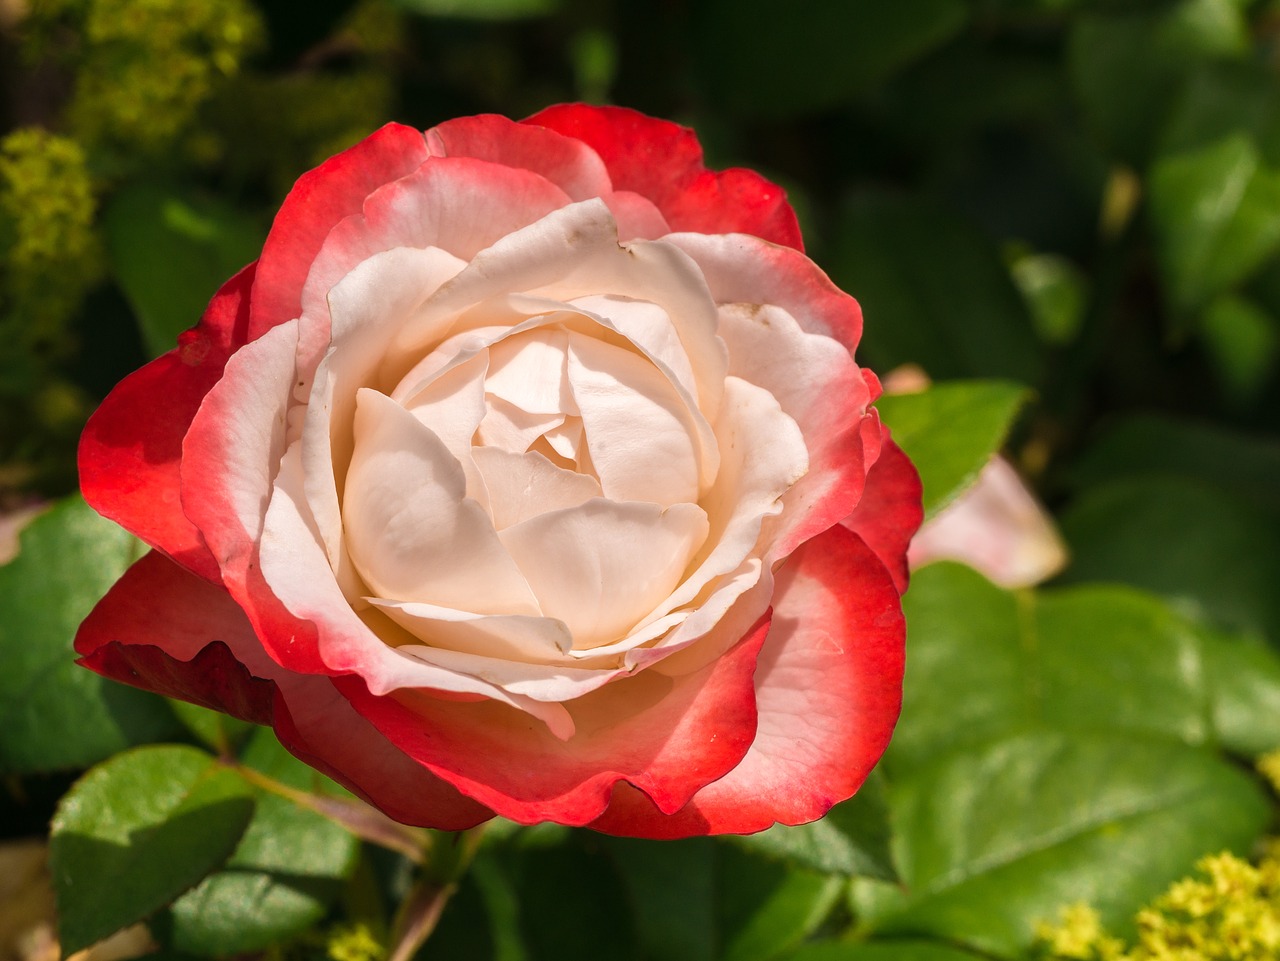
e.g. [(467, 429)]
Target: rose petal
[(521, 486), (890, 510), (456, 204), (411, 530), (322, 197), (642, 436), (235, 441), (668, 736), (568, 163), (662, 161), (828, 687), (131, 447), (210, 655), (603, 565)]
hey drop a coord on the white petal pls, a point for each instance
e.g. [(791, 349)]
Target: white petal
[(452, 406), (528, 371), (764, 456), (521, 486), (642, 437), (551, 684), (295, 567), (511, 429), (368, 305), (603, 565), (513, 636), (411, 530)]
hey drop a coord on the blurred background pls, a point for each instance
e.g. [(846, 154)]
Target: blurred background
[(1081, 197)]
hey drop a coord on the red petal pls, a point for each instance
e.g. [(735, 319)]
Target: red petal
[(132, 446), (829, 688), (890, 511), (668, 736), (317, 724), (322, 197), (565, 161), (662, 161), (163, 629)]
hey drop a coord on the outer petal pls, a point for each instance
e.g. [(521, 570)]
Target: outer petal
[(662, 161), (829, 688), (890, 511), (322, 197), (667, 736), (200, 628), (132, 446), (210, 657)]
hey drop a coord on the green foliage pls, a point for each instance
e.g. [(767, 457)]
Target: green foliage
[(138, 831), (55, 715), (1065, 212), (950, 431), (170, 253)]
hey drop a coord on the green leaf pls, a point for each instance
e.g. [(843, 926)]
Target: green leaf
[(1128, 66), (219, 731), (136, 832), (768, 908), (69, 558), (896, 950), (951, 430), (934, 290), (995, 839), (853, 837), (819, 52), (1216, 215), (286, 871), (1243, 679), (671, 887), (1056, 292), (171, 250), (480, 9), (1101, 657), (1205, 551), (1144, 445), (1243, 343)]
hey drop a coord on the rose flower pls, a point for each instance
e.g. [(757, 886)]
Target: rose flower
[(527, 472)]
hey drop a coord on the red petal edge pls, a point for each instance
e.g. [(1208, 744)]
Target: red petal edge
[(829, 689), (662, 161), (132, 445), (890, 511), (322, 197)]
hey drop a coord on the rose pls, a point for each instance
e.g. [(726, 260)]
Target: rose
[(528, 471)]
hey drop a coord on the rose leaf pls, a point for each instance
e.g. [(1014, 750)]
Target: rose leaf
[(136, 832), (286, 871), (55, 715), (882, 951), (1207, 552), (996, 838), (1216, 214), (170, 251), (935, 292), (951, 430), (1076, 659)]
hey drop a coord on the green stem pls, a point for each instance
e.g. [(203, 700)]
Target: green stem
[(355, 816)]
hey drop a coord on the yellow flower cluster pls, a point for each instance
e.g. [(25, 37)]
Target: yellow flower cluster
[(143, 67), (49, 253), (1231, 912), (353, 942)]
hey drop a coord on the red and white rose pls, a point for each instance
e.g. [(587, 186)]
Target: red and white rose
[(529, 471)]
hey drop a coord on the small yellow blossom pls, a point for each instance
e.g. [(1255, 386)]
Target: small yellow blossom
[(1229, 912), (354, 943)]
